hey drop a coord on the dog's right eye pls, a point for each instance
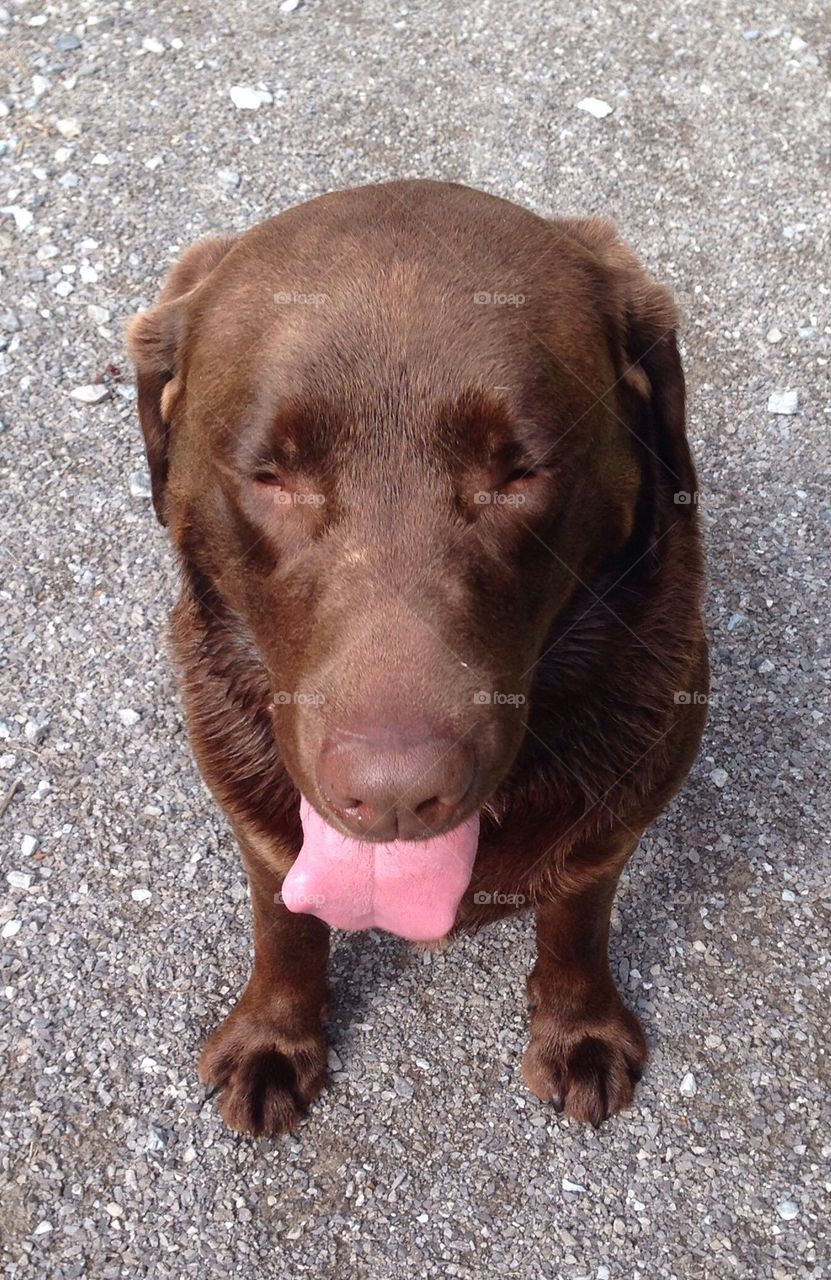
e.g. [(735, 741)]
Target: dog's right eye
[(268, 478)]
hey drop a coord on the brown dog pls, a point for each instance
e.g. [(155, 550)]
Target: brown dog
[(422, 456)]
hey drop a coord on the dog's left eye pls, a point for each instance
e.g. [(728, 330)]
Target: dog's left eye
[(269, 478)]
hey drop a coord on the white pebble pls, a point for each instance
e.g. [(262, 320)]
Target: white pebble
[(128, 717), (775, 335), (787, 1210), (151, 45), (23, 218), (788, 895), (245, 98), (11, 929), (91, 393), (688, 1087), (19, 879), (39, 85), (43, 1228), (115, 1210), (786, 402), (141, 895), (719, 777), (88, 274), (139, 484), (69, 128), (797, 44), (28, 846), (99, 314), (289, 6), (595, 106)]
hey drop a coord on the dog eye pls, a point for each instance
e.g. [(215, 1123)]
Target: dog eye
[(269, 478), (518, 475)]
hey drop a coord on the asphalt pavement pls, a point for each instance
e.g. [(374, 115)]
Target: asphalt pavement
[(130, 130)]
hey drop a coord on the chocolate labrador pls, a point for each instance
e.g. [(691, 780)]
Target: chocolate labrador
[(422, 457)]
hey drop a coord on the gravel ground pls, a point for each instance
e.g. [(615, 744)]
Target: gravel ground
[(123, 910)]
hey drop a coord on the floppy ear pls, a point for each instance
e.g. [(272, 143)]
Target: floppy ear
[(643, 320), (153, 343)]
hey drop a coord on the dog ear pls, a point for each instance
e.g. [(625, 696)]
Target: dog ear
[(154, 342), (643, 319)]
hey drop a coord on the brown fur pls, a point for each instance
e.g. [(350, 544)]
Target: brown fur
[(397, 397)]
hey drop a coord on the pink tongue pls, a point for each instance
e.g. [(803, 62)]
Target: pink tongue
[(408, 887)]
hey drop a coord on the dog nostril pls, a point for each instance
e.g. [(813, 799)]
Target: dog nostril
[(430, 810)]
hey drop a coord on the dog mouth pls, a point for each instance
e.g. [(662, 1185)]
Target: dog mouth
[(411, 888)]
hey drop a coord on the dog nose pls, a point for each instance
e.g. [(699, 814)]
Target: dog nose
[(387, 784)]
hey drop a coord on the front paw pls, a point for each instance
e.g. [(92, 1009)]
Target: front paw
[(269, 1075), (588, 1068)]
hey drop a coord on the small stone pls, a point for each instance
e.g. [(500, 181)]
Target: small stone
[(246, 98), (228, 177), (595, 107), (39, 85), (766, 667), (402, 1087), (66, 42), (88, 274), (43, 1228), (35, 731), (719, 777), (28, 846), (774, 335), (68, 128), (786, 402), (788, 895), (10, 322), (787, 1210), (688, 1087), (189, 1155), (11, 929), (128, 717), (139, 483), (91, 393), (20, 879), (141, 895), (335, 1063), (151, 45), (797, 44), (115, 1210), (735, 620), (289, 6), (99, 314), (574, 1187), (23, 218)]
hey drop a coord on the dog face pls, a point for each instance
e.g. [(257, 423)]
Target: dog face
[(393, 431)]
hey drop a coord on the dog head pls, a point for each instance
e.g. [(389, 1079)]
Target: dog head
[(393, 430)]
